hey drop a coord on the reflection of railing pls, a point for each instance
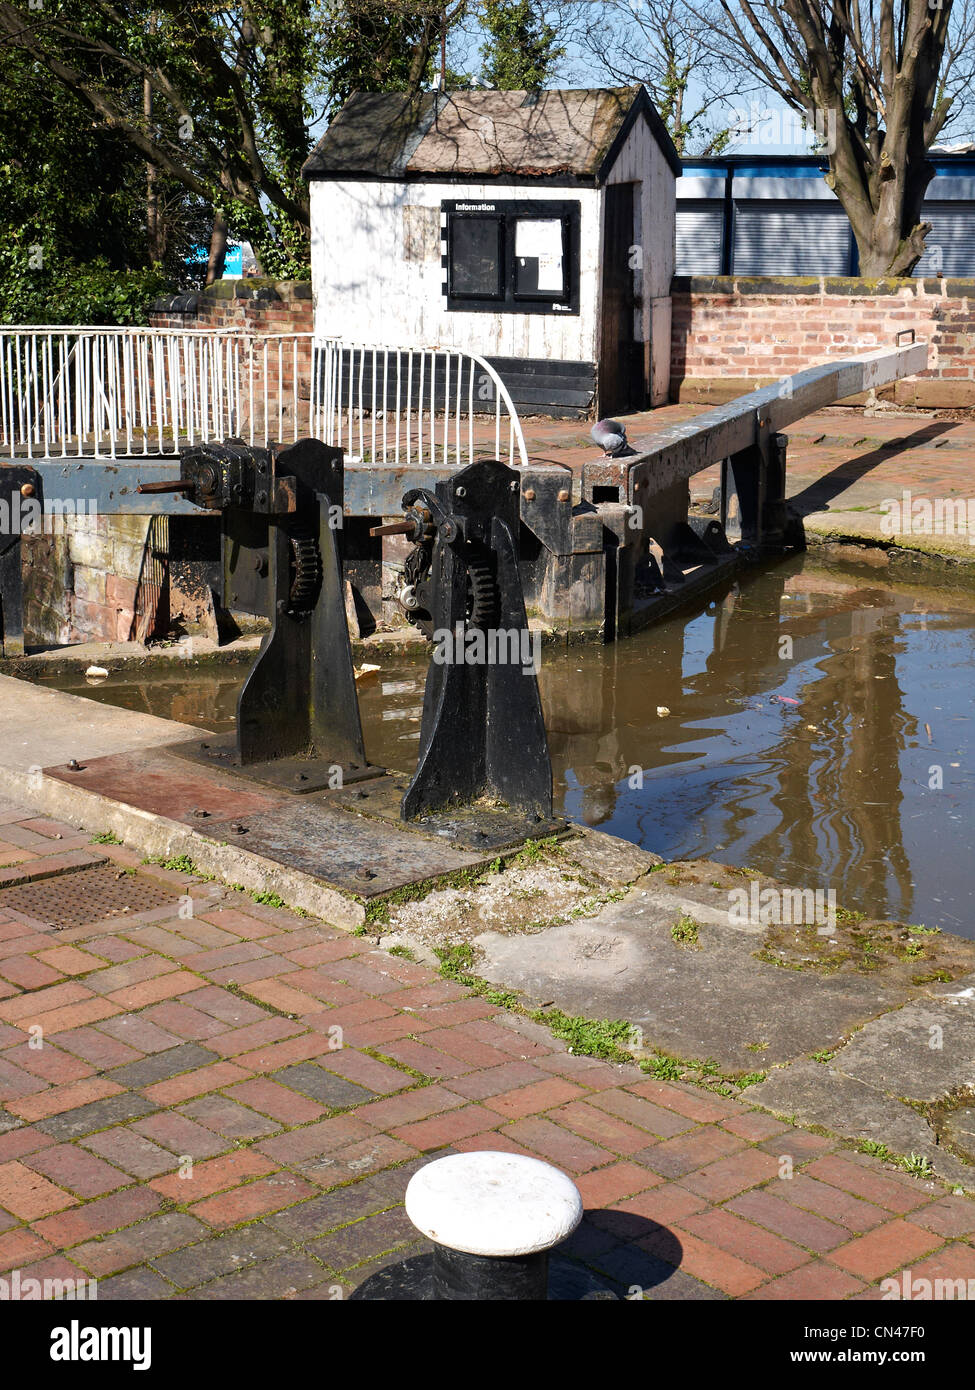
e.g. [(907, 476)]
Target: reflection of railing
[(111, 392)]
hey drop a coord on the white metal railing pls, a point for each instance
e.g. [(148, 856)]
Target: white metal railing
[(114, 392)]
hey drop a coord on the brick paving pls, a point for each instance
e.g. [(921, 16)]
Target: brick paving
[(842, 464), (230, 1104)]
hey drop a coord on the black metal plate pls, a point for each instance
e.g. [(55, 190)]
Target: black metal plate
[(479, 827), (300, 775)]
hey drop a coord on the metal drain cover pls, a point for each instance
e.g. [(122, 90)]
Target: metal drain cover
[(87, 895)]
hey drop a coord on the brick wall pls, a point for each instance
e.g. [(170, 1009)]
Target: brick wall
[(732, 333)]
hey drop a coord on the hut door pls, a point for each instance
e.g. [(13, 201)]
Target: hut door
[(621, 379)]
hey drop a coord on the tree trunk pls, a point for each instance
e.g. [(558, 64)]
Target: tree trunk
[(218, 249), (155, 225)]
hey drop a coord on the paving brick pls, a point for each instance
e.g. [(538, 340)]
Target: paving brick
[(696, 1105), (213, 1175), (951, 1216), (754, 1125), (276, 1055), (78, 1171), (876, 1187), (952, 1263), (707, 1262), (226, 1117), (457, 1042), (371, 1236), (42, 1001), (588, 1122), (278, 1278), (365, 1071), (130, 972), (140, 1284), (604, 1186), (162, 1065), (510, 1076), (426, 1060), (789, 1221), (186, 1022), (832, 1202), (70, 1017), (534, 1098), (169, 986), (27, 972), (23, 1140), (269, 1098), (180, 1135), (588, 1071), (327, 1136), (890, 1247), (50, 1062), (95, 1048), (324, 1086), (28, 1195), (99, 1115), (742, 1238), (254, 1200), (228, 1008), (144, 1241), (662, 1205), (268, 1030), (557, 1145), (223, 1254), (343, 1205), (798, 1145), (672, 1158), (441, 1130), (817, 1282), (411, 1106), (69, 960), (195, 1083), (721, 1180), (131, 1151), (355, 1160), (636, 1110), (98, 1217), (62, 1098), (139, 1032), (18, 1248)]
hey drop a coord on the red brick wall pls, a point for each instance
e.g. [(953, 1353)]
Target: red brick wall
[(261, 308), (733, 333)]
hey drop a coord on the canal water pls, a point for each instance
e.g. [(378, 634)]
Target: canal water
[(814, 722)]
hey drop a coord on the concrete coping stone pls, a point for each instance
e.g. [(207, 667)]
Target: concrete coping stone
[(492, 1203)]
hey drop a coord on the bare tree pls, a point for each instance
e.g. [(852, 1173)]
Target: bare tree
[(880, 80), (674, 52)]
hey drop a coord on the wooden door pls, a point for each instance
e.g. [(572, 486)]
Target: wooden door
[(621, 382)]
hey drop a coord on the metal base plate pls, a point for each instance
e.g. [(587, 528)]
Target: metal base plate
[(300, 775), (412, 1281), (479, 827)]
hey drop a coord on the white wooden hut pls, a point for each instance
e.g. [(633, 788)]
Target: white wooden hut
[(533, 228)]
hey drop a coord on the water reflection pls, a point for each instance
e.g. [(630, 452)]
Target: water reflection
[(812, 711)]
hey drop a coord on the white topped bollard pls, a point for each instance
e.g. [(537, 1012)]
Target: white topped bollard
[(493, 1218)]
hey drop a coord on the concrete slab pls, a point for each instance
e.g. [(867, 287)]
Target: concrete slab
[(41, 727)]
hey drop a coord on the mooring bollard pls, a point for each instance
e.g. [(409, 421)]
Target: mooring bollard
[(493, 1218)]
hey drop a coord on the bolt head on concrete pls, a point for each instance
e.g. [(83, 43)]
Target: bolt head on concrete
[(493, 1203)]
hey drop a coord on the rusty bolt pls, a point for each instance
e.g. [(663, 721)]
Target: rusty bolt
[(363, 871), (564, 495), (27, 490), (529, 494), (514, 486)]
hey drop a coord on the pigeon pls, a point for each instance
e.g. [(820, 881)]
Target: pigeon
[(610, 435)]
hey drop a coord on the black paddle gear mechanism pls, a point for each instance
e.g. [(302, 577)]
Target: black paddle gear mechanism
[(298, 722), (482, 734)]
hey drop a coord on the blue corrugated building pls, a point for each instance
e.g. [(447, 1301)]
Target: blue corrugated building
[(753, 214)]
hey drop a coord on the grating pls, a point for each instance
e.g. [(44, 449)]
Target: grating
[(88, 895)]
